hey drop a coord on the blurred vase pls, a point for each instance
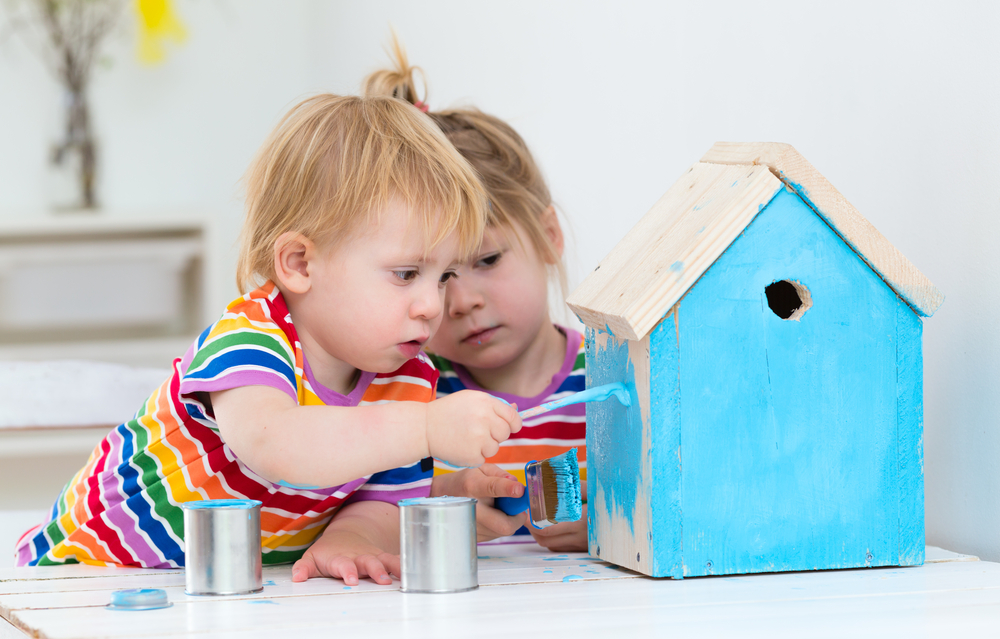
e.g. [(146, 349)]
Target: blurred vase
[(73, 160)]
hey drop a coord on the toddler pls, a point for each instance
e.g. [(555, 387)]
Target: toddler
[(497, 335), (310, 393)]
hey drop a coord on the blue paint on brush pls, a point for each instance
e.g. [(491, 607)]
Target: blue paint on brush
[(565, 471)]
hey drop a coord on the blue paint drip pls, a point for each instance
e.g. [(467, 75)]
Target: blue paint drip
[(556, 558), (677, 267), (269, 582), (571, 578), (347, 587), (263, 601), (547, 572)]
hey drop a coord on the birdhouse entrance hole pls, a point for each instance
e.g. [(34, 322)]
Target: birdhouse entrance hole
[(788, 300)]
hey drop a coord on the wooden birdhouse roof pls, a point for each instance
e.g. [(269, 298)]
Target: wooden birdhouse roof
[(694, 222)]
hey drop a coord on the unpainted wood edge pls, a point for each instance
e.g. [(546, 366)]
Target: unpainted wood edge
[(639, 320), (13, 625), (919, 292)]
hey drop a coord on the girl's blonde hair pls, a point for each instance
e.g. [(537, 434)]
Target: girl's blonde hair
[(334, 163), (513, 181)]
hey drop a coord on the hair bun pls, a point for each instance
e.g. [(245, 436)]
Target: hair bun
[(397, 82)]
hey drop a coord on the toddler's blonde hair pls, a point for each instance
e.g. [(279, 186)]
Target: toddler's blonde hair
[(334, 163), (514, 182)]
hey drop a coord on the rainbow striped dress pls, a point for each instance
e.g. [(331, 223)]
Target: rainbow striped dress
[(123, 507)]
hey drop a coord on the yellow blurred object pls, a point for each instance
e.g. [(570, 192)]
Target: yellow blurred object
[(157, 23)]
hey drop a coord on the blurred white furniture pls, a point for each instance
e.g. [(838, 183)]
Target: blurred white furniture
[(525, 590), (52, 414), (100, 287)]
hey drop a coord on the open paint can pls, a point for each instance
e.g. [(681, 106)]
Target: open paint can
[(222, 539), (437, 540)]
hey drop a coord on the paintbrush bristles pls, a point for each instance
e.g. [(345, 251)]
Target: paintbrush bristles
[(561, 487)]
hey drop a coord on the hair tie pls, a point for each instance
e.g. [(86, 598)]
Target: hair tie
[(420, 104)]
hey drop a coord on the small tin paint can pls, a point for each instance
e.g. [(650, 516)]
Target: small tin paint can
[(437, 540), (222, 540)]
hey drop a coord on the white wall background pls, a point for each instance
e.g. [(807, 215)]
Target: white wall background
[(897, 103)]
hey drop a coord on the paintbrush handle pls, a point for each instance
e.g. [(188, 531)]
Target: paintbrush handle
[(512, 505), (599, 393)]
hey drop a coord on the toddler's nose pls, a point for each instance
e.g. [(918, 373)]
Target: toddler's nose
[(461, 299)]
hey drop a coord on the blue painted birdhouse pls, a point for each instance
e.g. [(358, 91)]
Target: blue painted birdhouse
[(771, 340)]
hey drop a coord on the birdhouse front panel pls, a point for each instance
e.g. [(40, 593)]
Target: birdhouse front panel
[(789, 404)]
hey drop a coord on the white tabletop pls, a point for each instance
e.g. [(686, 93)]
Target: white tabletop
[(525, 590)]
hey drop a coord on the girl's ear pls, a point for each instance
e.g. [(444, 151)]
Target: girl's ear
[(292, 254), (550, 222)]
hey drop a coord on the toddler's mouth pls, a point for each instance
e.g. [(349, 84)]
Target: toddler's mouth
[(411, 348), (480, 337)]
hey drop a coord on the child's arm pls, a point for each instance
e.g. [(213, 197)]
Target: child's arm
[(331, 445), (362, 540), (485, 483)]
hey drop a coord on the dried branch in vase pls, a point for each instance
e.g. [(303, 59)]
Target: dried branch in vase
[(71, 32)]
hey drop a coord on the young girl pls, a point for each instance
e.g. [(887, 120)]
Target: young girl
[(497, 335), (309, 393)]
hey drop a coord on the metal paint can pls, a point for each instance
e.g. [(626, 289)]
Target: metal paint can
[(437, 540), (222, 547)]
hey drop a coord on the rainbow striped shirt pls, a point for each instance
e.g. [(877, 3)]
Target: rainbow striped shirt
[(123, 506), (546, 435)]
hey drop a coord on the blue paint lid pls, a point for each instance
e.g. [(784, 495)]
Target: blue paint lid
[(435, 501), (139, 599), (221, 503)]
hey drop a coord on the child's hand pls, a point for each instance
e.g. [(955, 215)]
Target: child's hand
[(466, 427), (354, 545), (485, 483), (570, 536)]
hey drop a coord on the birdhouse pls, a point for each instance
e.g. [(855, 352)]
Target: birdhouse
[(770, 339)]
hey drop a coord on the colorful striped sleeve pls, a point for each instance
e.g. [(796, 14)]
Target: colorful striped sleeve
[(246, 347)]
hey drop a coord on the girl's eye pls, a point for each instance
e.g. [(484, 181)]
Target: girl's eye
[(448, 276), (489, 260), (406, 276)]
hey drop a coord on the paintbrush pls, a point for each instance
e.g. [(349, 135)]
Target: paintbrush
[(551, 494)]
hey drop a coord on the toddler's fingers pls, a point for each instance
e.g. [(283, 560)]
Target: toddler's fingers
[(506, 486), (391, 563), (489, 449), (499, 430), (371, 566), (304, 569), (492, 523), (492, 470), (344, 568)]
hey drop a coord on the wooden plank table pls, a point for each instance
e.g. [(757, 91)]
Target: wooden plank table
[(524, 589)]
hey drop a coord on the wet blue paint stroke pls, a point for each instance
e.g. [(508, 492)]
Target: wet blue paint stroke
[(571, 578)]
